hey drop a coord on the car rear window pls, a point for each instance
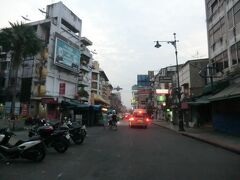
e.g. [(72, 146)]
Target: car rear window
[(139, 114)]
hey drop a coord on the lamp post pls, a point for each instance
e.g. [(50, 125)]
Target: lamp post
[(180, 115)]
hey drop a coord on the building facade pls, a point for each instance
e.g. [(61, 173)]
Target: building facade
[(223, 26)]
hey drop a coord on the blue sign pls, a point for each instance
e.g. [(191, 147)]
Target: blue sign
[(66, 56)]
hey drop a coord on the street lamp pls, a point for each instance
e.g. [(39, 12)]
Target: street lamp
[(180, 115)]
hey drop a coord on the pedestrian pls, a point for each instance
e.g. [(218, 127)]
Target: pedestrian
[(105, 120), (109, 119)]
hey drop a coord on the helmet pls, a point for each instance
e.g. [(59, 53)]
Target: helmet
[(114, 112)]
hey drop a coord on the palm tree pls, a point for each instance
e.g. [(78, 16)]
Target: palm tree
[(20, 40)]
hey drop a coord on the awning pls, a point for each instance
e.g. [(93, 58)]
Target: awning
[(100, 100), (232, 91), (71, 104), (200, 101), (76, 105)]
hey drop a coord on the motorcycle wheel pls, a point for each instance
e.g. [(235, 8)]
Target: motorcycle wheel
[(84, 133), (61, 145), (36, 154), (78, 139)]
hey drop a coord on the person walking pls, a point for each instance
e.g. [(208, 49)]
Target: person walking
[(105, 120)]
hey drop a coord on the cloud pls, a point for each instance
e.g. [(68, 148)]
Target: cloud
[(123, 31)]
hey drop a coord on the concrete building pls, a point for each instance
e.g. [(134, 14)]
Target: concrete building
[(223, 26), (84, 81), (61, 32), (192, 85), (189, 79), (100, 88), (163, 83), (56, 74)]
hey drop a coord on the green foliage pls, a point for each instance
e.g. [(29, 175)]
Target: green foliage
[(21, 40)]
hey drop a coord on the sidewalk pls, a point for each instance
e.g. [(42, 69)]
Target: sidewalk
[(206, 134)]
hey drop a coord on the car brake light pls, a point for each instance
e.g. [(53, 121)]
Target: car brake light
[(147, 120), (131, 119)]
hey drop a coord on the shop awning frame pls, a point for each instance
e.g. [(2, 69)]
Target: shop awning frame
[(232, 91)]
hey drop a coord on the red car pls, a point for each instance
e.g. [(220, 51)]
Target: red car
[(139, 118), (126, 116)]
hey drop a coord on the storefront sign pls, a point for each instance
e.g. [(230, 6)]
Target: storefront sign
[(62, 88)]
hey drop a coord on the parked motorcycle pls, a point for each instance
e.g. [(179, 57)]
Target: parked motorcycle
[(58, 139), (76, 131), (32, 149)]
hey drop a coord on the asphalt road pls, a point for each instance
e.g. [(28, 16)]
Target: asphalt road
[(153, 153)]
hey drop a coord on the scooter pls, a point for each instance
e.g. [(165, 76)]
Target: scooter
[(58, 139), (32, 149)]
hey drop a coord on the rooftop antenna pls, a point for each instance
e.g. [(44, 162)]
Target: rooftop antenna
[(94, 51), (26, 18), (42, 11), (197, 56), (117, 88)]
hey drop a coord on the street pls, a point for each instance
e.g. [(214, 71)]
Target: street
[(153, 153)]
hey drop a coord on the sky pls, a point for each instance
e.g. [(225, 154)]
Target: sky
[(123, 33)]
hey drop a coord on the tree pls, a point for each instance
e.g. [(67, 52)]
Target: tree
[(20, 40)]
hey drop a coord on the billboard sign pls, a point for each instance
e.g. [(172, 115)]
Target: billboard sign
[(66, 55), (162, 91)]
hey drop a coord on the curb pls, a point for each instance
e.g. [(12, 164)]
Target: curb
[(214, 143), (165, 127)]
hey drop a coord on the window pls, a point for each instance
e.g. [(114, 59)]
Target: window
[(225, 64), (216, 33), (237, 17), (94, 76), (225, 60), (234, 54), (230, 18), (94, 85), (219, 62), (214, 6), (238, 50)]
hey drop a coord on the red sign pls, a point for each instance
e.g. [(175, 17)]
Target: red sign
[(62, 88), (143, 91), (49, 101), (24, 109)]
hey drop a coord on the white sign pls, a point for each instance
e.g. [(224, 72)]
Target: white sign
[(162, 91)]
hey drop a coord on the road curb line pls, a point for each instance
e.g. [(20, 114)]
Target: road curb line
[(211, 142), (226, 147), (165, 127)]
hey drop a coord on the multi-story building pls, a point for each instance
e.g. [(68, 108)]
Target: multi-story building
[(192, 85), (223, 26), (84, 81), (163, 83), (100, 88), (143, 90), (59, 72), (61, 32)]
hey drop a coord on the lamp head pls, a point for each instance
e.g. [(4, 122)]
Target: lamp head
[(157, 45)]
